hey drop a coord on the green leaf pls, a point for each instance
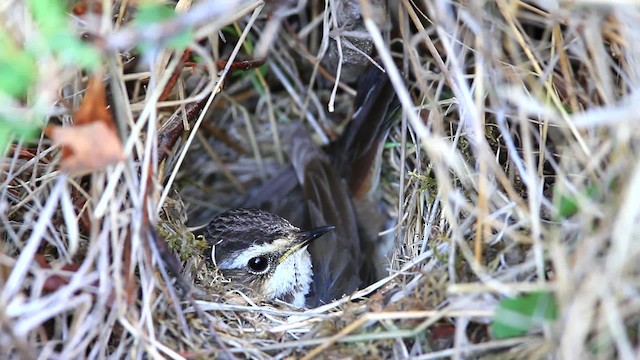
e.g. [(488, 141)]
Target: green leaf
[(153, 13), (395, 144), (568, 204), (72, 50), (180, 40), (17, 68), (49, 14), (230, 30), (17, 74), (20, 129), (516, 316), (53, 21)]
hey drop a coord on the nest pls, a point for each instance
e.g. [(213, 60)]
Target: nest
[(510, 178)]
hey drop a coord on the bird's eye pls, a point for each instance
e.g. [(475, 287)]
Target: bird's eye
[(258, 264)]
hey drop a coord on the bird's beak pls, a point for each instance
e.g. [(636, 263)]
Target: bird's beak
[(304, 238)]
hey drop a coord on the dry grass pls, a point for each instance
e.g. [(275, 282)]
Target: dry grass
[(509, 107)]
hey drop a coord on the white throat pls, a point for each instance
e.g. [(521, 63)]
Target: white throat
[(292, 276)]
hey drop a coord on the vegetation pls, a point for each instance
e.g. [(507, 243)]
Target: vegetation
[(510, 179)]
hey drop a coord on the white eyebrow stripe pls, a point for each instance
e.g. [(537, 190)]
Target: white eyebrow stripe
[(240, 258)]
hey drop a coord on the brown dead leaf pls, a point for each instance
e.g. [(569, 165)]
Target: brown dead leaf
[(89, 147), (54, 282), (94, 105), (82, 7), (92, 142)]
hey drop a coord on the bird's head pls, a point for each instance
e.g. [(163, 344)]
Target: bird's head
[(264, 253)]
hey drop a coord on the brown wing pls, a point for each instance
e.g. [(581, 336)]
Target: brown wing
[(337, 256), (357, 156)]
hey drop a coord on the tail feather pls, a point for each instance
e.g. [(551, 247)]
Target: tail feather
[(357, 152)]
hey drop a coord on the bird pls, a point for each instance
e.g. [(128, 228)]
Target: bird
[(265, 253), (309, 235)]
